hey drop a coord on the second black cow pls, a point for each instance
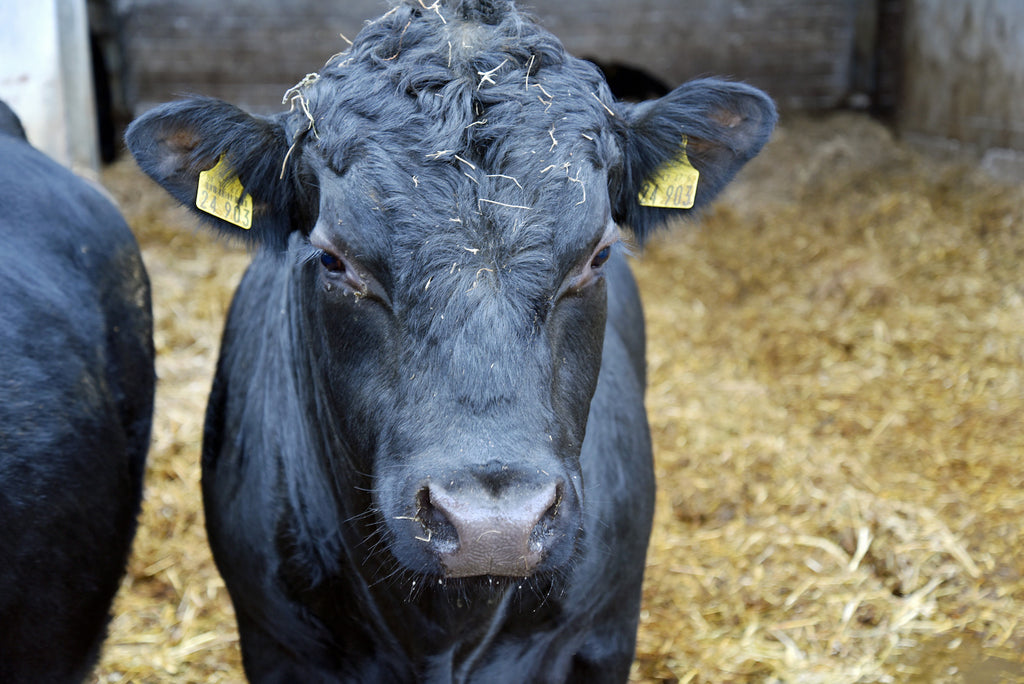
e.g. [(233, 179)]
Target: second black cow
[(426, 453), (76, 405)]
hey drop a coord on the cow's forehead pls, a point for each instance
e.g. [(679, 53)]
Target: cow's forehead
[(428, 214), (502, 95), (489, 134)]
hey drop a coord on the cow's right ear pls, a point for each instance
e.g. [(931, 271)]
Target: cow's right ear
[(232, 162)]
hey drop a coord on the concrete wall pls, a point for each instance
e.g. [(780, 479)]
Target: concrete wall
[(964, 75), (797, 50), (251, 51), (245, 51), (46, 78)]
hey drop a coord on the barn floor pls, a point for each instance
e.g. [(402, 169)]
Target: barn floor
[(836, 358)]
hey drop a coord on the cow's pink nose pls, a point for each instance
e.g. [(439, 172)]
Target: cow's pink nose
[(478, 533)]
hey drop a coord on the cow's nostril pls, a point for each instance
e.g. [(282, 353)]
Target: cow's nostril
[(544, 525), (544, 533), (437, 528), (552, 510)]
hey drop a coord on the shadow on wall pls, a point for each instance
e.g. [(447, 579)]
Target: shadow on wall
[(630, 83)]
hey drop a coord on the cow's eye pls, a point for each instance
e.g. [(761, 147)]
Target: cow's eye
[(589, 272), (332, 263), (339, 272), (601, 257)]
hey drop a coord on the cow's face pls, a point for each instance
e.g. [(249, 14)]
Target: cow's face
[(449, 191), (460, 314)]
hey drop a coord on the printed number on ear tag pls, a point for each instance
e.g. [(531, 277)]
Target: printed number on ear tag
[(221, 194), (673, 185)]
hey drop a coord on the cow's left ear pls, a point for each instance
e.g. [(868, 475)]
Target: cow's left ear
[(709, 126), (227, 166)]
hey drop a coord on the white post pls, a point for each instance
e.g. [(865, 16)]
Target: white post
[(46, 78)]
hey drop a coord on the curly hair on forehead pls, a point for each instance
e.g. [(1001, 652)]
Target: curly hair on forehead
[(463, 75), (461, 36), (485, 11)]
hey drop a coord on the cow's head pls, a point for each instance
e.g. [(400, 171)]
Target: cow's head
[(447, 195)]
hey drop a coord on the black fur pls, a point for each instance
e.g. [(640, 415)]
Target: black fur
[(76, 399), (9, 122), (431, 311)]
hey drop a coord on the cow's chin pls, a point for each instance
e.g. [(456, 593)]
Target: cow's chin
[(540, 587)]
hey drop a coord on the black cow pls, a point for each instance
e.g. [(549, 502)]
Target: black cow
[(426, 454), (76, 402)]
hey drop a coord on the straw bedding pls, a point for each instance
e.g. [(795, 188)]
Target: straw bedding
[(836, 361)]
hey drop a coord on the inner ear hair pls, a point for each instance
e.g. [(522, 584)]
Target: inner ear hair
[(181, 141)]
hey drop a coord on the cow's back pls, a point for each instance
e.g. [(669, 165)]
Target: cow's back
[(76, 396)]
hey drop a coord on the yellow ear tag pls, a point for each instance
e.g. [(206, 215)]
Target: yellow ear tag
[(221, 194), (673, 185)]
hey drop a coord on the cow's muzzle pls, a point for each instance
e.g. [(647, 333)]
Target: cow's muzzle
[(491, 519), (477, 532)]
